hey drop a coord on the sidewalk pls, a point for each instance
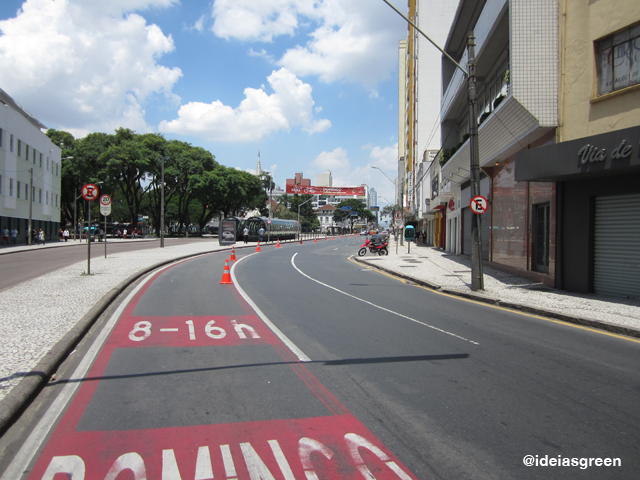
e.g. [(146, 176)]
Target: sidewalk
[(41, 319), (451, 274)]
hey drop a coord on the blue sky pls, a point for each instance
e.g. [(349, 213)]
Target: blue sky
[(311, 84)]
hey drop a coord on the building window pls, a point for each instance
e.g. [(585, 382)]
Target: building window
[(26, 191), (57, 170), (47, 163), (18, 190), (11, 187), (39, 195), (26, 156), (34, 156), (40, 160), (19, 148), (56, 200), (0, 184), (1, 135), (618, 60), (11, 143), (47, 197)]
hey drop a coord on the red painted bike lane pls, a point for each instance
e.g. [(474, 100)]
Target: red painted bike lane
[(245, 408)]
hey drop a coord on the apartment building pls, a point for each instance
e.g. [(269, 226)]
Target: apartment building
[(26, 153)]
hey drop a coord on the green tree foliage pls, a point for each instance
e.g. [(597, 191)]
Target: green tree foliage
[(308, 219), (356, 206)]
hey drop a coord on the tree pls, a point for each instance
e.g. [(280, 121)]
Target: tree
[(308, 219), (356, 205)]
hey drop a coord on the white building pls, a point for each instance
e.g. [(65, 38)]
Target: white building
[(324, 179), (25, 148)]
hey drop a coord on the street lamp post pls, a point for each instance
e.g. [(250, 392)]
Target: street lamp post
[(300, 226), (162, 204)]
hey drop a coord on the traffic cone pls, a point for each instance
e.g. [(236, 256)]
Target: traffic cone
[(258, 247), (325, 238), (278, 245), (340, 236), (333, 238), (300, 241), (315, 240), (226, 275), (233, 254)]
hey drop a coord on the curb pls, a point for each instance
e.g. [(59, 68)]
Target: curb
[(609, 327), (20, 396)]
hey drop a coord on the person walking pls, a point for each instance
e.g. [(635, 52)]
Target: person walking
[(40, 237), (245, 234), (65, 234), (5, 236), (60, 235), (261, 233), (14, 236)]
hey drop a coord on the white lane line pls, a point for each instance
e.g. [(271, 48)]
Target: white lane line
[(378, 306), (29, 449), (168, 329), (283, 338)]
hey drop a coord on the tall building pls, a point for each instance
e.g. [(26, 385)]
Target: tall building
[(25, 148), (299, 180), (421, 91), (373, 198), (324, 179), (586, 234)]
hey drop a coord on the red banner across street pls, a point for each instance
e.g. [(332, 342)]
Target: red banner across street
[(310, 190)]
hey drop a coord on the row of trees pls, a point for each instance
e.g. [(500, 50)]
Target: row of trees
[(127, 166)]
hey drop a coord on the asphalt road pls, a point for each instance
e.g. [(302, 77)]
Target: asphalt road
[(26, 265), (396, 380)]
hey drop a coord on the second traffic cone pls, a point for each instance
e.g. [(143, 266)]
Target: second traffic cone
[(226, 275), (258, 247), (315, 240), (233, 254), (278, 245)]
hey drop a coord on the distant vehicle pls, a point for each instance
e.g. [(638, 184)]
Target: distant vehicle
[(364, 232)]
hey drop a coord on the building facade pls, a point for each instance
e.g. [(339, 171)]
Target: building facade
[(516, 56), (595, 164), (26, 153)]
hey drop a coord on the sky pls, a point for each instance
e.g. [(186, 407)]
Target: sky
[(310, 84)]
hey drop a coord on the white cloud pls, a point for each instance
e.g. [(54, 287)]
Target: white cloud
[(86, 64), (353, 40), (259, 114)]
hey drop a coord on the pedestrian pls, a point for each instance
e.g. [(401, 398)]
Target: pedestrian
[(124, 233), (34, 237), (40, 237), (245, 234), (65, 234), (5, 236), (60, 235), (100, 234), (14, 235), (261, 233)]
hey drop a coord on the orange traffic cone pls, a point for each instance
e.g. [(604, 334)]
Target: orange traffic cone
[(258, 247), (226, 276), (333, 238), (278, 245), (340, 236), (300, 241), (325, 238), (315, 240), (233, 254)]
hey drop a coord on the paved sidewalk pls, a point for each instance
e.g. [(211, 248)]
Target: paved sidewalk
[(452, 274)]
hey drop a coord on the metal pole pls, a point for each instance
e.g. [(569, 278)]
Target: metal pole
[(162, 206), (105, 236), (88, 238), (477, 277), (30, 241), (75, 213)]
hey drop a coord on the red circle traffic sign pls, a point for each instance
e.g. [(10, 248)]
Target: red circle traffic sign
[(478, 204), (105, 200), (90, 192)]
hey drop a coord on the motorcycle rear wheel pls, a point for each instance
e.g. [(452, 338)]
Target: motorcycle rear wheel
[(362, 252), (384, 251)]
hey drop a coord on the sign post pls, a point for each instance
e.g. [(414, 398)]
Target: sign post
[(105, 211), (89, 193)]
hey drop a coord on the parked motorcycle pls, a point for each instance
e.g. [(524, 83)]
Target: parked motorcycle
[(374, 247)]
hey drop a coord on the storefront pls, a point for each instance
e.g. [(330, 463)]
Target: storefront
[(597, 210)]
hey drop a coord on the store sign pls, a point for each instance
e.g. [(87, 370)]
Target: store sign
[(591, 153), (227, 233)]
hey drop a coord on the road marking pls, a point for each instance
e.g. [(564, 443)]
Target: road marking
[(168, 329), (40, 432), (505, 309), (378, 306), (283, 338)]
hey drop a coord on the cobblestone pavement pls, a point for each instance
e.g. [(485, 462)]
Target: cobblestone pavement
[(452, 274)]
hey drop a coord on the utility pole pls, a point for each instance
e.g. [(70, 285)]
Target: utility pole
[(162, 204), (477, 277)]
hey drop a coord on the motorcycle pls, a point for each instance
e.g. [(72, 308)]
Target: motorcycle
[(379, 248)]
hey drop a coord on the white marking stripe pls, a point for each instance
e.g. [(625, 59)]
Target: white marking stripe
[(168, 329), (283, 338), (377, 306)]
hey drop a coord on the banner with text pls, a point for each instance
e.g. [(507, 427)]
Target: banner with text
[(309, 190)]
